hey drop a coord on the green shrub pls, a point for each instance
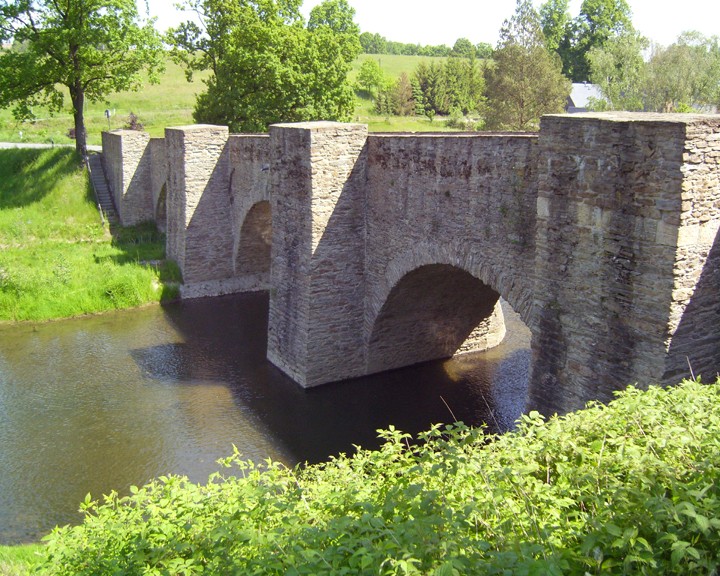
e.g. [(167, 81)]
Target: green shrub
[(629, 488)]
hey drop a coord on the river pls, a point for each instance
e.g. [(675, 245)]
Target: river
[(105, 402)]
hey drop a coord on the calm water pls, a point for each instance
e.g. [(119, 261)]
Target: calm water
[(102, 403)]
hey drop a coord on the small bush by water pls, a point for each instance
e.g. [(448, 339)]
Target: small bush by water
[(628, 488), (56, 259)]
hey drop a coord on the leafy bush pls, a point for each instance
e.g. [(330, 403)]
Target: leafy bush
[(632, 487)]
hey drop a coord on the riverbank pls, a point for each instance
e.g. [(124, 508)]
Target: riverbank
[(20, 560), (57, 258), (632, 487)]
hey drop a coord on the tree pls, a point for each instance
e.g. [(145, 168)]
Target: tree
[(90, 47), (373, 43), (599, 22), (618, 69), (525, 80), (483, 51), (266, 65), (684, 74), (463, 48), (371, 77), (555, 23)]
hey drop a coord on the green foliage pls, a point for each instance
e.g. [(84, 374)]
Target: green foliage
[(629, 488), (377, 44), (371, 77), (57, 260), (554, 20), (456, 83), (91, 48), (618, 69), (525, 80), (598, 23), (266, 66), (19, 560), (463, 48), (684, 74)]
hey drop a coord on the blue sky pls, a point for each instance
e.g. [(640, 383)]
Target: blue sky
[(444, 21)]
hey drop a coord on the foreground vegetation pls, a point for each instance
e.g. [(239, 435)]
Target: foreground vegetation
[(632, 487), (19, 560), (56, 258)]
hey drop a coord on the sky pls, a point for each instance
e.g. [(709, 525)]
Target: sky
[(444, 21)]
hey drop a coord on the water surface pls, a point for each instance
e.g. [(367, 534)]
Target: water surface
[(102, 403)]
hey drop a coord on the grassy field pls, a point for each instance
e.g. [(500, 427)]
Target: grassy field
[(171, 103), (56, 258)]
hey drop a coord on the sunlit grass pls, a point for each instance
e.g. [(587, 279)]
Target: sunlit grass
[(19, 560), (56, 258)]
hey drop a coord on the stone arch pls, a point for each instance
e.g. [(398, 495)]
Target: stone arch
[(253, 254), (457, 254), (435, 300)]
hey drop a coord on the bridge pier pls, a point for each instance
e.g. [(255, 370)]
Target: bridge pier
[(316, 301), (627, 256)]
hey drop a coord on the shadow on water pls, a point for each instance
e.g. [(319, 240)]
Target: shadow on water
[(102, 403), (315, 423)]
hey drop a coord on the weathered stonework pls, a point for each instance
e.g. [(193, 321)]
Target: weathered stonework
[(128, 166), (318, 251), (386, 250), (627, 219)]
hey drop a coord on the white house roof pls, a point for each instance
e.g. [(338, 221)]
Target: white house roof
[(582, 92)]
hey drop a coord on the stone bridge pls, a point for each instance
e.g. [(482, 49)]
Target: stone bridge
[(385, 250)]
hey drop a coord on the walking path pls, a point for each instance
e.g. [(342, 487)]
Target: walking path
[(36, 145)]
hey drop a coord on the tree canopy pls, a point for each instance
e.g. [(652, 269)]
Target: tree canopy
[(598, 23), (267, 66), (525, 80), (90, 47)]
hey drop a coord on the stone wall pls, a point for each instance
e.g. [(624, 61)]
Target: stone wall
[(317, 277), (620, 214), (464, 201), (158, 181), (249, 157), (128, 167), (386, 250)]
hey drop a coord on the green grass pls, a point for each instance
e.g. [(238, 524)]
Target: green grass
[(19, 560), (171, 103), (56, 259), (393, 64)]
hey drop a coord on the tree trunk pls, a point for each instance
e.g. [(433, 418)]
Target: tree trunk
[(77, 95)]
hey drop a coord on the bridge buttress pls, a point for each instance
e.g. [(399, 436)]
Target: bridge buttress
[(318, 243), (627, 262)]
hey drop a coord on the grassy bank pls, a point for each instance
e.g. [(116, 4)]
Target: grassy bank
[(56, 259), (628, 488), (19, 560)]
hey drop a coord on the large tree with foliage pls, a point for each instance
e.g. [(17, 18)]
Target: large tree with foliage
[(619, 70), (266, 65), (685, 74), (525, 80), (89, 47)]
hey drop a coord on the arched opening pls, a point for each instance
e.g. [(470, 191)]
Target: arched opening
[(433, 312), (253, 253)]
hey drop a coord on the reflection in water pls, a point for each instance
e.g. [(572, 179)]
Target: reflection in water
[(101, 403)]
